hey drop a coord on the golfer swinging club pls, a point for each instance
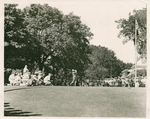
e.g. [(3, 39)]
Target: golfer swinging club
[(74, 73)]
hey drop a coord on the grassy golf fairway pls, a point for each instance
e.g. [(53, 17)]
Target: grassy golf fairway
[(74, 101)]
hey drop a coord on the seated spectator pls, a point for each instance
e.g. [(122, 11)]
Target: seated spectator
[(119, 82), (29, 82), (106, 84), (39, 80), (90, 83), (126, 82), (40, 75), (12, 78), (87, 82), (141, 84), (18, 79), (137, 84), (129, 82), (115, 81), (98, 83), (103, 83), (25, 78), (144, 81), (47, 79), (111, 83), (80, 83), (132, 82), (34, 78), (95, 83)]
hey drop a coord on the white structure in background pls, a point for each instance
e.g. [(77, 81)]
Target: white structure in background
[(128, 72), (125, 73), (141, 64)]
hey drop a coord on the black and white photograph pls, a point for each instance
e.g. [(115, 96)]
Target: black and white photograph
[(75, 58)]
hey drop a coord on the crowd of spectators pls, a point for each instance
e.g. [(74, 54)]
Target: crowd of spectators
[(26, 78), (118, 82)]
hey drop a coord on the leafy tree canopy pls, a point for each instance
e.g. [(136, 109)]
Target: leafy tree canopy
[(127, 30)]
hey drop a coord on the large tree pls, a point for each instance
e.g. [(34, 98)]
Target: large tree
[(15, 37), (127, 30), (42, 36), (102, 63), (61, 40)]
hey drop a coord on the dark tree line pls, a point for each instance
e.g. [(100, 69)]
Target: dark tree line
[(104, 64)]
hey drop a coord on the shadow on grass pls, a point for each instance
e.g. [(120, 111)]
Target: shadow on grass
[(23, 88), (14, 112), (15, 89)]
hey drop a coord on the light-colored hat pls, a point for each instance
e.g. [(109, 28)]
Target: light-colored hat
[(39, 71), (36, 72)]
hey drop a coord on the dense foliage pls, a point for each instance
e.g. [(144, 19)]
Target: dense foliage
[(15, 36), (44, 38), (104, 64), (127, 30)]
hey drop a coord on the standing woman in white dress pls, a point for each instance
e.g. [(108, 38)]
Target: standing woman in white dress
[(25, 69)]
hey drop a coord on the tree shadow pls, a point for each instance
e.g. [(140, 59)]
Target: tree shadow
[(13, 112)]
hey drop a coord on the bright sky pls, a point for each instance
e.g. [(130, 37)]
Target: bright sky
[(100, 16)]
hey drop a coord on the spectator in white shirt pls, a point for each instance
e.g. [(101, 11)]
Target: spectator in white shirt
[(12, 78), (25, 78), (17, 79), (47, 79)]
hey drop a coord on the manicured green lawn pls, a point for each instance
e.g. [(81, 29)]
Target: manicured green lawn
[(75, 101)]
